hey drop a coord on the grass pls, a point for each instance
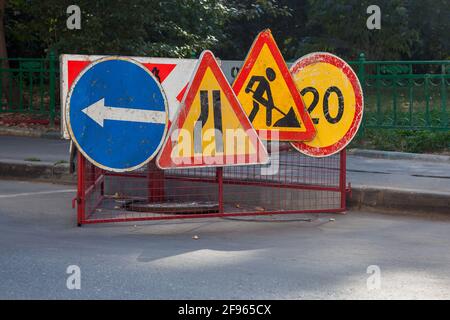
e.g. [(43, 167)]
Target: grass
[(416, 141), (33, 159)]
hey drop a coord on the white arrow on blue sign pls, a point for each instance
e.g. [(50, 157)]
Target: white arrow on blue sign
[(117, 114)]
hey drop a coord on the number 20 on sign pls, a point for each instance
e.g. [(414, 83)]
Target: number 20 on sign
[(333, 97)]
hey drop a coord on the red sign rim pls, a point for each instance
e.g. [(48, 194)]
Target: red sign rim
[(325, 57), (206, 60), (265, 37)]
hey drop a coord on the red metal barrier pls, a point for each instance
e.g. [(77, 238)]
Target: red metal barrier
[(300, 184)]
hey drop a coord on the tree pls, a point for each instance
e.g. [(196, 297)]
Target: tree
[(246, 20), (432, 23), (12, 96), (3, 52), (340, 27), (410, 29), (177, 28)]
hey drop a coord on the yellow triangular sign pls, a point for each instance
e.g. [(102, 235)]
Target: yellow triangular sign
[(211, 128), (269, 96)]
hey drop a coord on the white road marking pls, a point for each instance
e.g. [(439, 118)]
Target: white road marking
[(14, 195)]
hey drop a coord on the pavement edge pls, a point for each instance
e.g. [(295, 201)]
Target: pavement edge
[(42, 171), (398, 199)]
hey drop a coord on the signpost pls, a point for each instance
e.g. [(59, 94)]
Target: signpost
[(268, 94), (333, 96), (116, 114), (211, 128)]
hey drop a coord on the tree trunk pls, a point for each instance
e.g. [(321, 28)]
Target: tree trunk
[(3, 52), (12, 96)]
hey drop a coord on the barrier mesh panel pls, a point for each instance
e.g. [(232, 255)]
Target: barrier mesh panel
[(291, 183)]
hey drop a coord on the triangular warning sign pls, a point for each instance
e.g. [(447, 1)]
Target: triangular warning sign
[(269, 96), (211, 128)]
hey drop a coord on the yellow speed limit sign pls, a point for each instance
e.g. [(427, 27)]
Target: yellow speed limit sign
[(333, 97)]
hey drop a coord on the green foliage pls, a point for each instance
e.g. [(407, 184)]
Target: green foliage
[(410, 29), (176, 28), (340, 27), (432, 23), (246, 20)]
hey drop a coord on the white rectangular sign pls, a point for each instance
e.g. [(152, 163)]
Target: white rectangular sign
[(174, 75)]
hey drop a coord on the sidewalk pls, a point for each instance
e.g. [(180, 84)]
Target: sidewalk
[(408, 185), (378, 179)]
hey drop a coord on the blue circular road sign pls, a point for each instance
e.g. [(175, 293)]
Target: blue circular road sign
[(117, 114)]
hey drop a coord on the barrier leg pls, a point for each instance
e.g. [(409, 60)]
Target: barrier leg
[(81, 192), (342, 177), (155, 178), (219, 177)]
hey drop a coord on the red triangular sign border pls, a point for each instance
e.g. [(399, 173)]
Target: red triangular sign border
[(164, 160), (265, 37)]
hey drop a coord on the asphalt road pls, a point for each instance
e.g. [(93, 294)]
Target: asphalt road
[(231, 258)]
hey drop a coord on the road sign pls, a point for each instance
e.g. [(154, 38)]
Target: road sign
[(268, 94), (173, 74), (117, 114), (231, 68), (333, 96), (211, 128)]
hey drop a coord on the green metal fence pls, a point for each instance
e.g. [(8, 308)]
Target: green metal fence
[(397, 94), (405, 94), (29, 86)]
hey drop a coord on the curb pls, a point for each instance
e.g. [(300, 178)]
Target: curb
[(43, 171), (408, 201), (22, 132), (394, 155), (399, 199)]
